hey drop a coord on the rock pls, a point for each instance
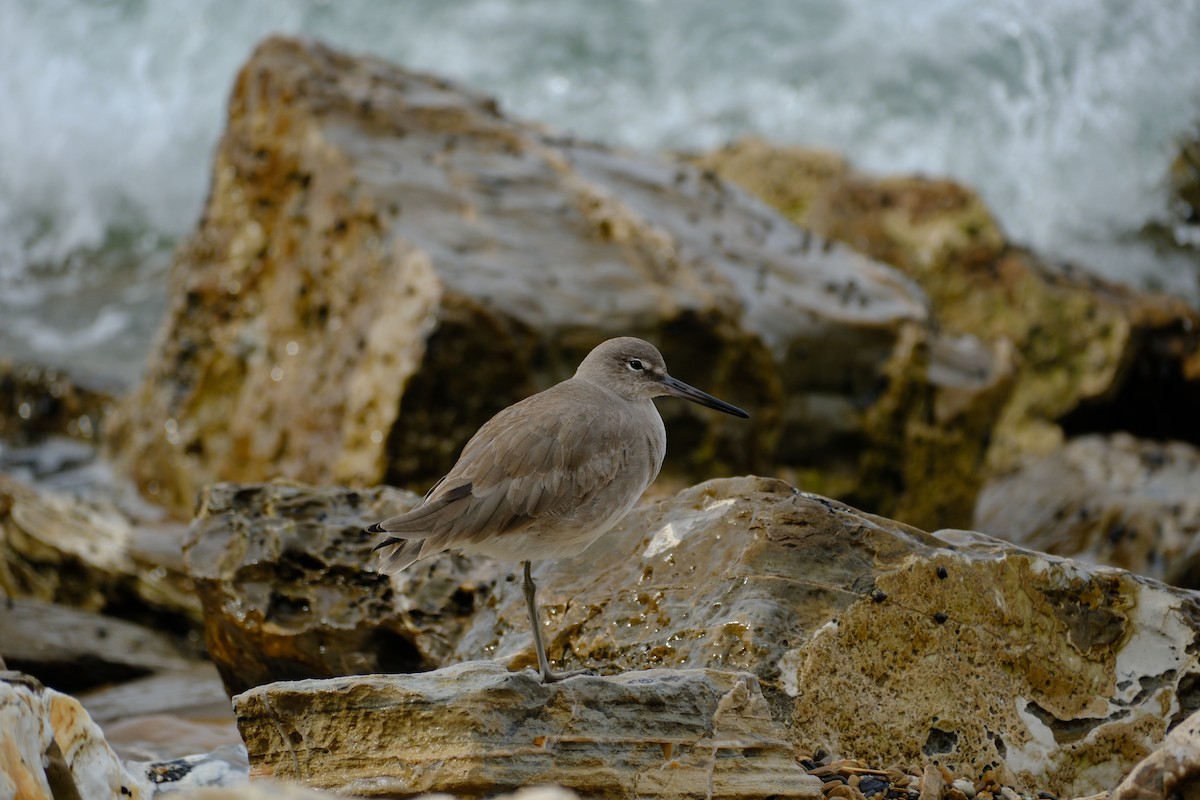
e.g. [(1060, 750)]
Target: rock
[(50, 748), (475, 729), (283, 574), (1173, 770), (386, 260), (1093, 356), (1115, 500), (39, 402), (279, 790), (167, 715), (73, 650), (870, 639), (89, 554)]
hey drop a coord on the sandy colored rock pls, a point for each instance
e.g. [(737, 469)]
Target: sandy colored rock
[(386, 260), (870, 639), (1173, 770), (1115, 500), (475, 729), (1093, 356)]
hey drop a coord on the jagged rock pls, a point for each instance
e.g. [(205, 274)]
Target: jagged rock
[(386, 260), (1173, 770), (89, 554), (1115, 500), (73, 650), (475, 729), (1093, 356), (283, 574), (871, 639)]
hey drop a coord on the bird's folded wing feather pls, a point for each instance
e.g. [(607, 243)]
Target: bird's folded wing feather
[(525, 464)]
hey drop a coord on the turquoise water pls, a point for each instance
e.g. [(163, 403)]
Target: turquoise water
[(1064, 115)]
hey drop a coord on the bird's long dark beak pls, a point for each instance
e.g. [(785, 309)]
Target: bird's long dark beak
[(677, 388)]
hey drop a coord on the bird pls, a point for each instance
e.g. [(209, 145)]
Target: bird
[(550, 474)]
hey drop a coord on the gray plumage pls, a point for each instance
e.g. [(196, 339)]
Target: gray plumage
[(550, 474)]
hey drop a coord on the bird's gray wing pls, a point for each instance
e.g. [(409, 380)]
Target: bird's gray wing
[(541, 457)]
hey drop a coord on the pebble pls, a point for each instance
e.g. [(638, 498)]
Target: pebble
[(852, 779)]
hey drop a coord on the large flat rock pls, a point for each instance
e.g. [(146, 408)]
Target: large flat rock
[(476, 729), (386, 260)]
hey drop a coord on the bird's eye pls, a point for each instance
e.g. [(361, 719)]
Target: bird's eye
[(636, 365)]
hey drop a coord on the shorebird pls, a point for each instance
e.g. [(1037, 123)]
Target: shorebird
[(549, 475)]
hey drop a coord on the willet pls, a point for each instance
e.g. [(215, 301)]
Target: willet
[(550, 474)]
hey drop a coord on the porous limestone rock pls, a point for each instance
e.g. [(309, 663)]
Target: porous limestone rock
[(475, 729), (284, 576), (1094, 356), (1115, 500), (386, 260), (870, 639)]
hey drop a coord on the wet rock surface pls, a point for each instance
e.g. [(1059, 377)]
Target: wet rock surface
[(386, 260), (475, 729), (870, 639), (1117, 500)]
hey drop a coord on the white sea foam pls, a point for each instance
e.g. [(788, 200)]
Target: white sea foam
[(1064, 115)]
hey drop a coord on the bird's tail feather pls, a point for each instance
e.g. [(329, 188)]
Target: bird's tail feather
[(402, 552)]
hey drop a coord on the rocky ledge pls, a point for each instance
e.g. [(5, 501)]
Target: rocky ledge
[(475, 729), (869, 639)]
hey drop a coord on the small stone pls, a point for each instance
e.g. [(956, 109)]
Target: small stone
[(932, 783), (878, 595), (870, 785), (942, 573), (1009, 793), (954, 794), (964, 786)]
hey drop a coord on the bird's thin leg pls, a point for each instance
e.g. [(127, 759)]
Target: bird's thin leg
[(543, 662)]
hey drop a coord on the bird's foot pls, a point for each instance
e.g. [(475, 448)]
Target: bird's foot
[(555, 677)]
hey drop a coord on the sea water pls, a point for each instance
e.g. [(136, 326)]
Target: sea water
[(1065, 115)]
